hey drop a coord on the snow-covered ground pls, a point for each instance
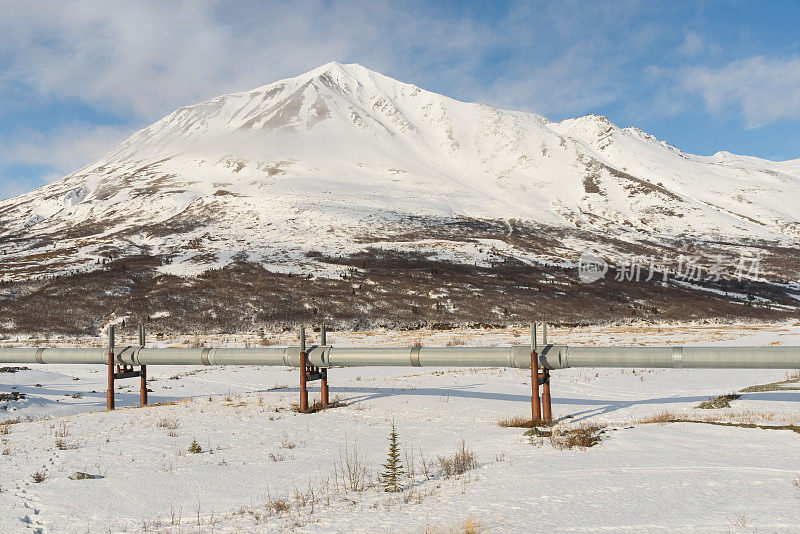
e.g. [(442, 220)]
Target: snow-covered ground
[(259, 455)]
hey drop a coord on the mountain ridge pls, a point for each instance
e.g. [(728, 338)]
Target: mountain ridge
[(301, 174)]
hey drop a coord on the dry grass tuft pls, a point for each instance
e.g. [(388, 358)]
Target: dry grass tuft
[(62, 445), (317, 406), (169, 424), (287, 443), (740, 417), (469, 526), (580, 437), (267, 341), (62, 431), (739, 520), (793, 375), (458, 464), (350, 471), (520, 421), (278, 506), (662, 417), (39, 476)]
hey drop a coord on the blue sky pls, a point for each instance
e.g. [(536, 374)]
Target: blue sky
[(77, 77)]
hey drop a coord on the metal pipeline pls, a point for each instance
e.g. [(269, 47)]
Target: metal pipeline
[(517, 356)]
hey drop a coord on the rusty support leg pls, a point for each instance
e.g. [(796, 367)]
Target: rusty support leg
[(324, 387), (110, 390), (303, 388), (303, 371), (143, 387), (143, 377), (547, 413), (536, 414), (324, 382)]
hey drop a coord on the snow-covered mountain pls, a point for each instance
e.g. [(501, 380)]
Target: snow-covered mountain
[(341, 158)]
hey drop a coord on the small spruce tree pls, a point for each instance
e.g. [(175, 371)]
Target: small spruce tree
[(393, 468), (195, 447)]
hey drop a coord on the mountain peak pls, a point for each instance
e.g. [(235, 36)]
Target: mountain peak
[(343, 74), (334, 67), (340, 149)]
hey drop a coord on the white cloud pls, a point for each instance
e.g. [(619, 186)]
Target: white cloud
[(13, 187), (762, 89), (50, 155), (603, 41), (566, 85), (692, 45), (151, 57), (62, 149), (147, 58)]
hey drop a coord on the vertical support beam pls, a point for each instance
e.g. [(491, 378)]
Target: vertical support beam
[(324, 370), (303, 370), (110, 389), (536, 414), (547, 413), (143, 370), (324, 387)]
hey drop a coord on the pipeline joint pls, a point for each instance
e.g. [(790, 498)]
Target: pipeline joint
[(415, 357), (677, 357)]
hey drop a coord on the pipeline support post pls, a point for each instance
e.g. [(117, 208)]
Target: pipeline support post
[(547, 413), (143, 370), (544, 380), (536, 414), (324, 370), (311, 372), (124, 371), (303, 372), (541, 410), (110, 390)]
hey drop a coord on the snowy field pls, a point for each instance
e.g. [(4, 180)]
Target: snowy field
[(265, 468)]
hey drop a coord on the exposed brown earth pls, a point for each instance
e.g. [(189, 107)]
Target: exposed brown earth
[(382, 288)]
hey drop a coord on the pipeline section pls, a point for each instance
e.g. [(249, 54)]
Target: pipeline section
[(517, 356)]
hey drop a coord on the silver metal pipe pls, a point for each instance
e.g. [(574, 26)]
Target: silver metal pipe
[(517, 356), (678, 357)]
